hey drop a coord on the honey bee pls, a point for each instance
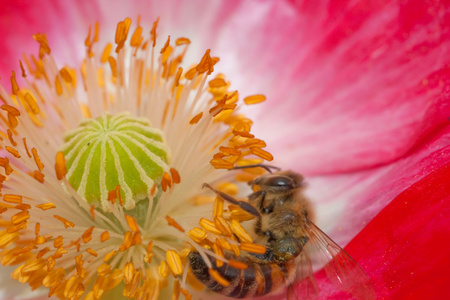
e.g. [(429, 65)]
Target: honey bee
[(295, 247)]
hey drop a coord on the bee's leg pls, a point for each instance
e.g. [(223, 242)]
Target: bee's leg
[(265, 167), (267, 257), (257, 199), (244, 205)]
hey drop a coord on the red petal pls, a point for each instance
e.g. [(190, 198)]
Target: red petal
[(405, 248)]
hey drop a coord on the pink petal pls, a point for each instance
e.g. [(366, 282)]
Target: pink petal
[(347, 202), (350, 85), (63, 22)]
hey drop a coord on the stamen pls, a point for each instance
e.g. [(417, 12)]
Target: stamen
[(175, 176), (26, 148), (38, 176), (217, 277), (209, 226), (174, 262), (217, 248), (58, 242), (237, 264), (104, 236), (91, 252), (187, 295), (109, 255), (261, 153), (253, 248), (222, 225), (87, 235), (64, 221), (254, 99), (132, 224), (60, 165), (16, 199), (218, 207), (174, 223), (46, 206), (197, 234), (37, 160), (176, 290), (14, 85), (128, 272), (10, 137), (164, 269), (196, 118), (240, 232)]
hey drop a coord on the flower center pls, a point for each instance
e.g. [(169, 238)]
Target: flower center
[(115, 152), (124, 205)]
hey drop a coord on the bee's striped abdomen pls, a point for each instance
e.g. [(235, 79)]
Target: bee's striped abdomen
[(256, 280)]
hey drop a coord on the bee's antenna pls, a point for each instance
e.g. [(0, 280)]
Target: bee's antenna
[(268, 168), (242, 204)]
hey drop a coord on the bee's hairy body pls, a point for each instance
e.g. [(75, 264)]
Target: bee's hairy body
[(256, 280), (280, 226)]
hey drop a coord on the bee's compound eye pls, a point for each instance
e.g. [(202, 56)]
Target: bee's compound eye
[(287, 248), (280, 181)]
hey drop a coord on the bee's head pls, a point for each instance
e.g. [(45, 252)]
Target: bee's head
[(279, 182)]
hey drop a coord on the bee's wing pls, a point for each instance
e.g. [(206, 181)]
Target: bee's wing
[(342, 273)]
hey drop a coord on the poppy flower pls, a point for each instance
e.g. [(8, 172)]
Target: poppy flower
[(357, 102)]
